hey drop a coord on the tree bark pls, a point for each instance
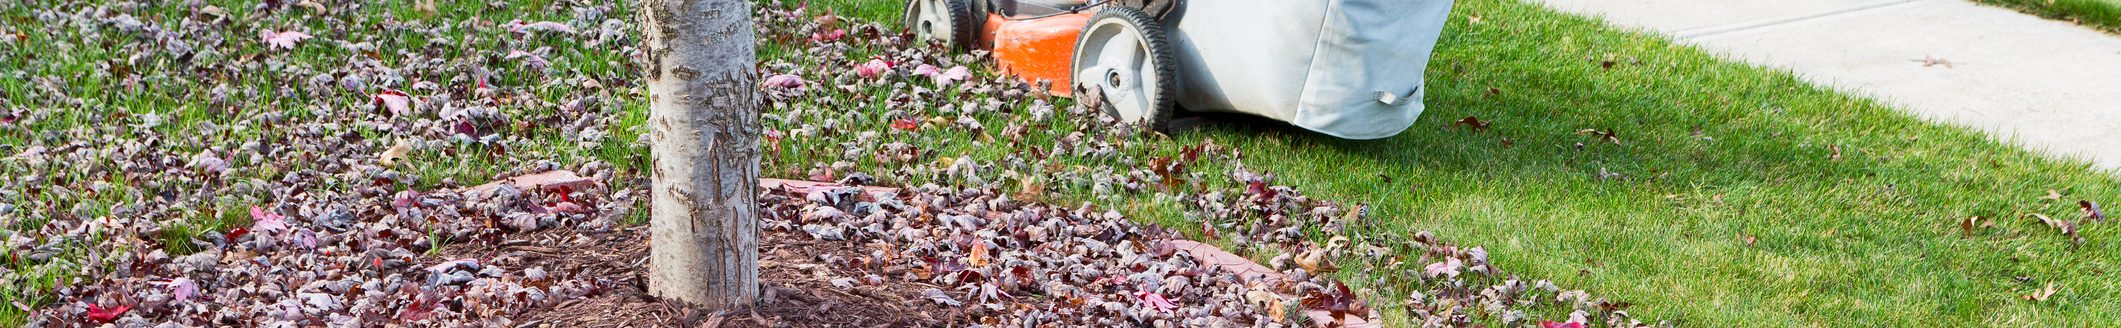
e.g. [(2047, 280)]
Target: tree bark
[(703, 122)]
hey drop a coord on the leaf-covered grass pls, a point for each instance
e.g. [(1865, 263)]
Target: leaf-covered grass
[(1736, 195), (2101, 14), (126, 81)]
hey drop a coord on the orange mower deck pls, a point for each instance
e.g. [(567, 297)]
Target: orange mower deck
[(1036, 49)]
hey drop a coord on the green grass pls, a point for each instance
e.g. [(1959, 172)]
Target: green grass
[(1724, 204), (180, 93), (1712, 154), (2101, 14)]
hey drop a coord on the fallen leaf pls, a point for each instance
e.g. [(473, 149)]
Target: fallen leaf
[(1604, 135), (906, 124), (106, 314), (396, 101), (397, 152), (206, 161), (1156, 301), (2041, 295), (784, 81), (282, 40), (959, 73), (1315, 261), (182, 289), (2052, 195), (1837, 152), (2092, 211), (826, 20), (828, 36), (1551, 324), (937, 296), (978, 255), (519, 26), (530, 58), (1966, 227), (265, 221), (1473, 123), (1446, 268), (876, 67), (2068, 228)]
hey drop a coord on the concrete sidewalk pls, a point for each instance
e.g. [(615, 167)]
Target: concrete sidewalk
[(2049, 85)]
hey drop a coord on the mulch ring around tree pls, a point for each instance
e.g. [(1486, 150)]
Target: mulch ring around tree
[(794, 297), (915, 265)]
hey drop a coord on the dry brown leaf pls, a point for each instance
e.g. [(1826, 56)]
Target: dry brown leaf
[(978, 255), (397, 152), (1603, 135), (1966, 227), (2068, 228), (2052, 195), (1355, 216), (2043, 294), (1315, 261), (1472, 123)]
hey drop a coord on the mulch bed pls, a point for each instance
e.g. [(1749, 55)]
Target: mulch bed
[(794, 295)]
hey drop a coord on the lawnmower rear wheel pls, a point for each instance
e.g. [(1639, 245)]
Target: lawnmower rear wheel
[(954, 23), (1124, 66)]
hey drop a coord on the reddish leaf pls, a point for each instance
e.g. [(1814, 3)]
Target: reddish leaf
[(267, 222), (106, 315), (2091, 210), (1156, 301), (872, 69), (396, 101), (1472, 123), (828, 36), (1260, 192), (1551, 324)]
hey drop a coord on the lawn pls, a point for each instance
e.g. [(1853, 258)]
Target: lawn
[(1734, 195), (1699, 190), (2101, 14)]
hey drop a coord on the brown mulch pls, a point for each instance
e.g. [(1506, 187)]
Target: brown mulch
[(795, 294)]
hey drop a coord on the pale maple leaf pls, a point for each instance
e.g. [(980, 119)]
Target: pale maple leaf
[(264, 221), (1156, 301), (282, 40), (520, 26), (182, 288)]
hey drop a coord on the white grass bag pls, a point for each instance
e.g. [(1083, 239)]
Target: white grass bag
[(1347, 68)]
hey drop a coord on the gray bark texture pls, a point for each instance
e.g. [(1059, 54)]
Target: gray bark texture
[(704, 125)]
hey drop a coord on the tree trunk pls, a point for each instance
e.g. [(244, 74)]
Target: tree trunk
[(703, 121)]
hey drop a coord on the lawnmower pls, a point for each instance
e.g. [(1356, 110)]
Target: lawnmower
[(1347, 68)]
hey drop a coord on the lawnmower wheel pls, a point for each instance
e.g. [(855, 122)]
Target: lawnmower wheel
[(1123, 65), (950, 22)]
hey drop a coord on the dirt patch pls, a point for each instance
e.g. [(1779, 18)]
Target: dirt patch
[(795, 295)]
